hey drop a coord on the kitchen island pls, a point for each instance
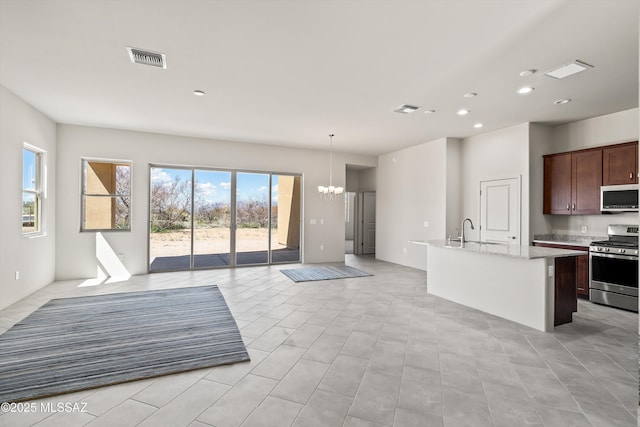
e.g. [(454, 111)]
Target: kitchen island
[(531, 285)]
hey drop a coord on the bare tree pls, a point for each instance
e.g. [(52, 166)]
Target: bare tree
[(123, 190), (170, 204)]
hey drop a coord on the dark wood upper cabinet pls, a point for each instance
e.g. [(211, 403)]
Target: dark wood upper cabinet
[(557, 184), (620, 164), (586, 179), (572, 182)]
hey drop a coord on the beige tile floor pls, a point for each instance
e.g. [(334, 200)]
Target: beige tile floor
[(374, 351)]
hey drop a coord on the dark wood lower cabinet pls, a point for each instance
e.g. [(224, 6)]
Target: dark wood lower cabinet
[(582, 276), (566, 302), (582, 267)]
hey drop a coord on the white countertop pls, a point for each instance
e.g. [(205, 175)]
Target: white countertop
[(501, 249), (564, 243)]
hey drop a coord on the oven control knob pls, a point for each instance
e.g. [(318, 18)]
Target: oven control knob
[(606, 249), (621, 251)]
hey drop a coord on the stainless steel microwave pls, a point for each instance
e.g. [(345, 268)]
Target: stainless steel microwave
[(619, 198)]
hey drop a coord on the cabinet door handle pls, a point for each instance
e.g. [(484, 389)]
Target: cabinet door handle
[(568, 206), (631, 175), (574, 206)]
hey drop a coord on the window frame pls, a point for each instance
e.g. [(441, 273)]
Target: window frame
[(84, 194), (37, 191)]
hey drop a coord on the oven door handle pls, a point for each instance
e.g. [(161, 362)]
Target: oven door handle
[(616, 256)]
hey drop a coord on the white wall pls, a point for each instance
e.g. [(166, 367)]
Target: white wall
[(411, 189), (34, 257), (540, 143), (604, 130), (77, 251), (367, 179), (495, 155), (454, 189)]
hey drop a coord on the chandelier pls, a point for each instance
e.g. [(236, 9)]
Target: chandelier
[(330, 192)]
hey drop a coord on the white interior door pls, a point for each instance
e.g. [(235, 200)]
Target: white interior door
[(369, 222), (500, 210)]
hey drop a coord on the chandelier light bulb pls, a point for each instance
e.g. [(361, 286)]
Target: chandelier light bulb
[(329, 192)]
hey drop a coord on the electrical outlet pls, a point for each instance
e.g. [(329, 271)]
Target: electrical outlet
[(17, 275), (426, 224), (584, 229), (322, 247)]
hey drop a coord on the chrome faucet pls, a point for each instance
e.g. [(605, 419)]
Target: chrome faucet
[(462, 228)]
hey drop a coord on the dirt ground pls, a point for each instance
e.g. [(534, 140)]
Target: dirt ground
[(210, 241)]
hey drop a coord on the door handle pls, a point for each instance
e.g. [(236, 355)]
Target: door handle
[(574, 206), (631, 175), (568, 206)]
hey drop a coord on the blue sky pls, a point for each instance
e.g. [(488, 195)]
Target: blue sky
[(28, 174), (215, 186)]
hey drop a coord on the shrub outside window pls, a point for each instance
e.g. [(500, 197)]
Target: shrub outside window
[(106, 195), (31, 190)]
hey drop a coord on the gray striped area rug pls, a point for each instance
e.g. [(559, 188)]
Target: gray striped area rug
[(309, 274), (73, 344)]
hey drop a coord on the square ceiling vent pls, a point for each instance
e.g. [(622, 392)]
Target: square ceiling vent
[(569, 69), (406, 109), (146, 57)]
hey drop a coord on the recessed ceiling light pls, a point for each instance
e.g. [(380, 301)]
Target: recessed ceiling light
[(470, 95), (406, 109), (567, 70), (478, 125), (527, 73), (525, 90), (463, 112), (561, 101), (198, 93), (429, 111)]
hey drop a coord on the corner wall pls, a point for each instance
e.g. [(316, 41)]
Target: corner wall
[(540, 143), (411, 191), (77, 251), (495, 155), (33, 257)]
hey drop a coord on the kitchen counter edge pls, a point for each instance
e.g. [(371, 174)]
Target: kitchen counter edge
[(500, 249)]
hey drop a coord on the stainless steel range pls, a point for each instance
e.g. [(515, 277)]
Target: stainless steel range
[(613, 268)]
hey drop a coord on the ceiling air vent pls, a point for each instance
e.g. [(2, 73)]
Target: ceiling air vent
[(145, 57), (405, 109)]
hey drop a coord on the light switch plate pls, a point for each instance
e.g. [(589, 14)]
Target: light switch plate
[(583, 229)]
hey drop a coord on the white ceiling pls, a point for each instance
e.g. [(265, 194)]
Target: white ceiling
[(291, 72)]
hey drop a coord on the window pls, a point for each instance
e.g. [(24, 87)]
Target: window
[(31, 190), (106, 195)]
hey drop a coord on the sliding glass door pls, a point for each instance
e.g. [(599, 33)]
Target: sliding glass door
[(211, 219), (252, 218), (203, 218), (285, 218), (170, 219)]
